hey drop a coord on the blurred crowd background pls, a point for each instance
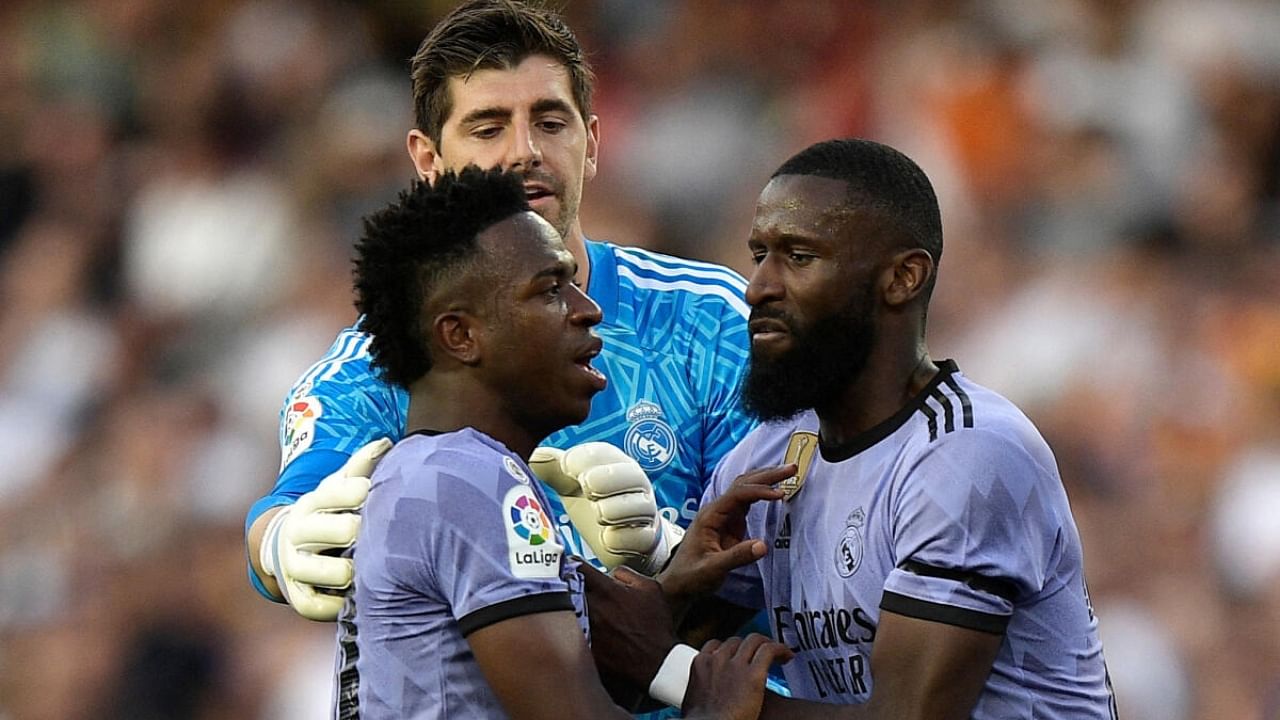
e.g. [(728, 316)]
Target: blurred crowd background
[(181, 184)]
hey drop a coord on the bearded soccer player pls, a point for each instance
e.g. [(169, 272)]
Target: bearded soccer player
[(924, 562), (466, 605)]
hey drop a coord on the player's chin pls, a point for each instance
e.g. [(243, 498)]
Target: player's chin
[(573, 408), (577, 387), (767, 356), (580, 413)]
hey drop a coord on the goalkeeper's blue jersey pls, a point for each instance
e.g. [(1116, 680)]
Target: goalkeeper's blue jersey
[(675, 347)]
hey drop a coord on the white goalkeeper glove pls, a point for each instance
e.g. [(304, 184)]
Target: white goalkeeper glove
[(325, 519), (610, 501)]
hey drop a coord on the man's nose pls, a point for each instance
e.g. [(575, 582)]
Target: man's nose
[(764, 285), (526, 152), (583, 309)]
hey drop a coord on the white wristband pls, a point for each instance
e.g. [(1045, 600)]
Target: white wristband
[(270, 536), (672, 680)]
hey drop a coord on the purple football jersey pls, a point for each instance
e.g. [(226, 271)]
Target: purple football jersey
[(455, 537), (950, 511)]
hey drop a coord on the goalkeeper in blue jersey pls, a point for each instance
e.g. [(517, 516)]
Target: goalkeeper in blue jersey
[(501, 84), (462, 584)]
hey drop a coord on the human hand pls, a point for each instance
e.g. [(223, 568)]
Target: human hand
[(610, 501), (324, 520), (631, 626), (715, 542), (727, 680)]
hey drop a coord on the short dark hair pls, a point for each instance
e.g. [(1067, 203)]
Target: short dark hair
[(488, 34), (427, 234), (880, 179)]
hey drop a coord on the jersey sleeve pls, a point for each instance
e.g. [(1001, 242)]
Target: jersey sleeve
[(336, 407), (488, 557), (977, 528)]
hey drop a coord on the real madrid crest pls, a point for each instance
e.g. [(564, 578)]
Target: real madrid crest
[(650, 440), (849, 549), (800, 451), (514, 470)]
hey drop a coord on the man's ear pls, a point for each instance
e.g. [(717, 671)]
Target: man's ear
[(593, 148), (459, 334), (907, 275), (425, 155)]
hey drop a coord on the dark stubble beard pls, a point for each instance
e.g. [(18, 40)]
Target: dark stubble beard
[(568, 207), (822, 361)]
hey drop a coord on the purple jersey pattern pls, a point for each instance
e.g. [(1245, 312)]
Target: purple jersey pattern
[(454, 538), (950, 511)]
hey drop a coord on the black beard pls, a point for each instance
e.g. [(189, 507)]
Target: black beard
[(822, 361)]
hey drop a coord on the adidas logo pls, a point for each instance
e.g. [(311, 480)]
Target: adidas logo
[(783, 540)]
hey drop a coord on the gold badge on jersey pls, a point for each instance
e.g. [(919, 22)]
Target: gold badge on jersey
[(800, 451)]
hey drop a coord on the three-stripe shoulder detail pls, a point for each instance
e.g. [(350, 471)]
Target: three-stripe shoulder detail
[(653, 271), (946, 408), (350, 345)]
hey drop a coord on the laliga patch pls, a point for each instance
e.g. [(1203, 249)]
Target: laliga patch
[(514, 470), (533, 548), (299, 427)]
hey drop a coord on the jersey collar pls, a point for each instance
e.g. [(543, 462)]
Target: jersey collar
[(602, 284), (839, 453)]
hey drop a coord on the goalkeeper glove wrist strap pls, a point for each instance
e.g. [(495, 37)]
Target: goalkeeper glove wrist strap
[(672, 680), (269, 550), (664, 548)]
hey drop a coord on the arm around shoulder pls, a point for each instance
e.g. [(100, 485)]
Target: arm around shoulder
[(290, 548)]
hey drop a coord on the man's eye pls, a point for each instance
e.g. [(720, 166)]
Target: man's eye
[(801, 258), (485, 133), (551, 127), (757, 258)]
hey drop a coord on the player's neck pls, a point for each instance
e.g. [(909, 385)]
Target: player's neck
[(576, 243), (890, 380), (450, 406)]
